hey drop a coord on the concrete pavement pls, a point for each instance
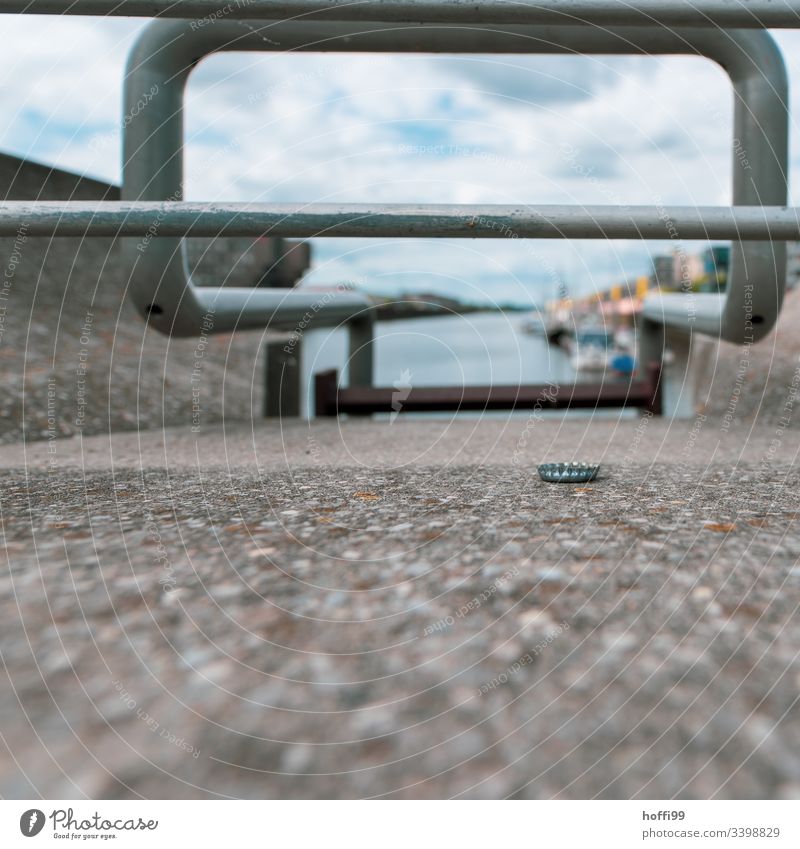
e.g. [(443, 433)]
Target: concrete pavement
[(361, 609)]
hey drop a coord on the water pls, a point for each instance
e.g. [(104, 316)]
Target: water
[(474, 349), (469, 350)]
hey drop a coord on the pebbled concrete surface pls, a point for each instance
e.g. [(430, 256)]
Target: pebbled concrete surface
[(295, 613)]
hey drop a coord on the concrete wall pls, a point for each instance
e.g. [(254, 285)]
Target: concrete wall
[(75, 357), (21, 179)]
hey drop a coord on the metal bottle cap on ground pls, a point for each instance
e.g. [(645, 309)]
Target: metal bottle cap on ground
[(568, 472)]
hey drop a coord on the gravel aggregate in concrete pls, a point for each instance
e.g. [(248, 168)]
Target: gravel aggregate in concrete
[(192, 627)]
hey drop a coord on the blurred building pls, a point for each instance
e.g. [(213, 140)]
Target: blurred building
[(675, 271), (663, 272), (716, 263)]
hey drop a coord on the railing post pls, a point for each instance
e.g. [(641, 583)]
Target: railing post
[(326, 387), (654, 378), (282, 379), (361, 350), (677, 382)]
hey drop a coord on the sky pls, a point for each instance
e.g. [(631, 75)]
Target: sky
[(404, 128)]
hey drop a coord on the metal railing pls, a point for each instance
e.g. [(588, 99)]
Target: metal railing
[(168, 50), (361, 220), (721, 13), (643, 393)]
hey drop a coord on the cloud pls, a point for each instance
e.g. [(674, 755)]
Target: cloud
[(536, 80), (61, 80), (401, 128)]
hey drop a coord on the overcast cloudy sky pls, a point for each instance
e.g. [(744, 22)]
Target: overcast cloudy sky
[(443, 129)]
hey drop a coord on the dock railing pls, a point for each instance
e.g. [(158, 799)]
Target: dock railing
[(728, 32)]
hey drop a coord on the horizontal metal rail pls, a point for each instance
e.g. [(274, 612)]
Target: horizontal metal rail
[(150, 219), (643, 393), (720, 13)]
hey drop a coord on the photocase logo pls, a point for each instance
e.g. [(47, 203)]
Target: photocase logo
[(64, 820), (31, 822), (401, 393)]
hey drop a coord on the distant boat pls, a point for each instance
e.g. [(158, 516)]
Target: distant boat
[(591, 350), (623, 363), (554, 331), (534, 325)]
